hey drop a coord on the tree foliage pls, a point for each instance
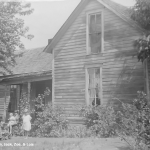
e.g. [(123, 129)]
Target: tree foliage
[(141, 14), (11, 30), (143, 47), (134, 122)]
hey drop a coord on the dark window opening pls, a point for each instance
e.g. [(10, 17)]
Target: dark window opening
[(95, 33)]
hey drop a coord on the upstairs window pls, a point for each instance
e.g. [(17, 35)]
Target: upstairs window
[(94, 33)]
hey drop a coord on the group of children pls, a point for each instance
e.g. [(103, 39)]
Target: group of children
[(14, 119)]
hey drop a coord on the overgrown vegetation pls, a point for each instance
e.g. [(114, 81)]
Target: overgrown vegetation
[(140, 13), (131, 122), (24, 103), (143, 47), (134, 122), (100, 120), (49, 120)]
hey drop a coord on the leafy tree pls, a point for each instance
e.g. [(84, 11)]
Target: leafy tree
[(141, 14), (11, 30), (143, 47)]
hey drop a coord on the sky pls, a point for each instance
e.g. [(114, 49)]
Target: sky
[(48, 17)]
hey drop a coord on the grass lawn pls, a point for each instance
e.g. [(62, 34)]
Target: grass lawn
[(19, 143)]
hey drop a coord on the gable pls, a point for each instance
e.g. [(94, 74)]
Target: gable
[(115, 8), (117, 32)]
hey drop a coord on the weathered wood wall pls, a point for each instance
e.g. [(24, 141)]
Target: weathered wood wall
[(2, 98), (148, 71), (122, 74)]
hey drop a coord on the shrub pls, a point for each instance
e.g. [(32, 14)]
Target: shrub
[(134, 121), (24, 103), (49, 119), (100, 119)]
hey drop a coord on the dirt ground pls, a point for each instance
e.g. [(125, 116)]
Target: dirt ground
[(20, 143)]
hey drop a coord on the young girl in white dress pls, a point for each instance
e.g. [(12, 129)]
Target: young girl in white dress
[(26, 122), (11, 122)]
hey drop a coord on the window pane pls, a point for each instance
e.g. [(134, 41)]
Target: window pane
[(96, 99), (95, 42), (98, 93), (98, 23), (95, 102), (97, 72), (91, 77), (94, 86), (92, 93), (97, 77), (92, 24)]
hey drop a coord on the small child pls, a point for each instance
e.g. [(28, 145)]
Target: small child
[(11, 122), (16, 115), (26, 122)]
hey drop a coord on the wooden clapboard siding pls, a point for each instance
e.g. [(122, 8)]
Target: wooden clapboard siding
[(122, 74), (148, 67), (2, 98)]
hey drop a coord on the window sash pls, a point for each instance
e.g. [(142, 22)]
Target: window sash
[(95, 95), (95, 48)]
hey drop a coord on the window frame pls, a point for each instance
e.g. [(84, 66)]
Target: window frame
[(88, 51), (87, 83)]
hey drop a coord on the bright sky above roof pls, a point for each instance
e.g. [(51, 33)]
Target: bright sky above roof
[(49, 16)]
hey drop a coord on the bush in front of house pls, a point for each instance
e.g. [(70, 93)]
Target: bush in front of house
[(100, 120), (49, 120), (131, 122), (24, 103), (134, 121)]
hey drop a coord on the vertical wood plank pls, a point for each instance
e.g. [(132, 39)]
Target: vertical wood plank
[(29, 90), (18, 97), (87, 34), (101, 85), (53, 81), (144, 70), (4, 114), (102, 39), (86, 87)]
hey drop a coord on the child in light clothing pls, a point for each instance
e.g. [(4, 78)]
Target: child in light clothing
[(16, 115), (11, 122), (26, 122)]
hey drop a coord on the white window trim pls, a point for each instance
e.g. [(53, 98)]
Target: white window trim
[(87, 31), (53, 79), (87, 83)]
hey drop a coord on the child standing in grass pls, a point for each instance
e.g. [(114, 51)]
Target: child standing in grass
[(26, 122), (11, 122)]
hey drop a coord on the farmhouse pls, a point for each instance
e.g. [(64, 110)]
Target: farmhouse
[(90, 61), (31, 75), (94, 60)]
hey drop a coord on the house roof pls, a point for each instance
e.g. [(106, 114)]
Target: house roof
[(32, 61), (121, 11)]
